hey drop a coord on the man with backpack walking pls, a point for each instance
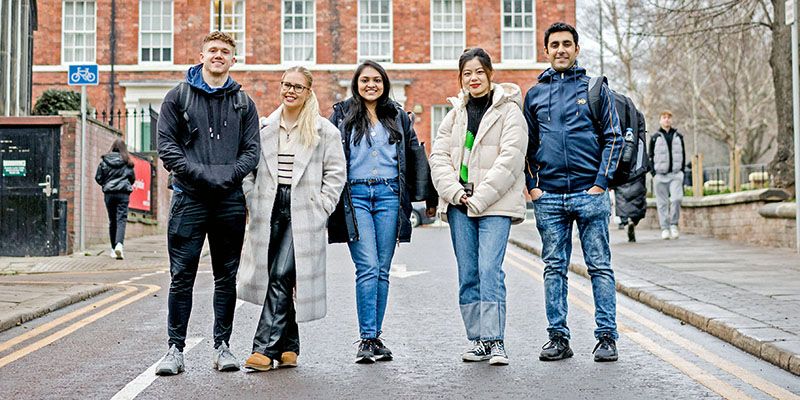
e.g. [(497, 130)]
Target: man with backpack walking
[(668, 157), (572, 157), (208, 139)]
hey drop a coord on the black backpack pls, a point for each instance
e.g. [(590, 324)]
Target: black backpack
[(184, 98), (634, 162)]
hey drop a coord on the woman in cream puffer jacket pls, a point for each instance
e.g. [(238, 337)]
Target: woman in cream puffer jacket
[(477, 166)]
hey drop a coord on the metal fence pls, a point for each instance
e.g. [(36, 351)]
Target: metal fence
[(138, 126), (751, 176)]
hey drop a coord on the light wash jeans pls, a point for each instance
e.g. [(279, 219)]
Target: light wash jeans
[(555, 214), (480, 246), (669, 195), (377, 206)]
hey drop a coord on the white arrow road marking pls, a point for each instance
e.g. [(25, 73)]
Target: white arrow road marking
[(146, 378), (401, 271)]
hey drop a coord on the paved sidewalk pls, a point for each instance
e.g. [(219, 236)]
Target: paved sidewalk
[(748, 296), (24, 300)]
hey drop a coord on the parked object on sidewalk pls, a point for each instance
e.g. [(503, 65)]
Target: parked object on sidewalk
[(477, 168), (290, 195), (568, 176), (384, 174), (115, 174), (208, 140)]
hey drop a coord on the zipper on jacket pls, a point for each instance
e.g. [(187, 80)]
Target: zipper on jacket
[(564, 133)]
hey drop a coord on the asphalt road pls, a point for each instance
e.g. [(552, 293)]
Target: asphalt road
[(105, 346)]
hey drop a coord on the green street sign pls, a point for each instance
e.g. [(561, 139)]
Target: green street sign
[(14, 168)]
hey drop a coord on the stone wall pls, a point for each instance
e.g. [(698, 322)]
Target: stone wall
[(753, 217)]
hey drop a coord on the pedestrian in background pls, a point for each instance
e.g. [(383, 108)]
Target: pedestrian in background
[(300, 175), (208, 140), (569, 165), (668, 158), (630, 199), (477, 166), (115, 174), (373, 214)]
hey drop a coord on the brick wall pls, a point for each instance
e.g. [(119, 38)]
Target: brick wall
[(734, 217)]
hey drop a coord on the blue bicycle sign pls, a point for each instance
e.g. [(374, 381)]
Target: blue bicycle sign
[(83, 75)]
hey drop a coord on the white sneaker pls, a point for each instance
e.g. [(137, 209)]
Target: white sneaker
[(673, 232), (112, 253), (665, 234), (118, 252)]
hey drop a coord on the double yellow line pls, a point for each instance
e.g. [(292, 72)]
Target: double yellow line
[(116, 302), (526, 264)]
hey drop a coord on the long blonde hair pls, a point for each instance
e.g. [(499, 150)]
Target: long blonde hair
[(307, 120)]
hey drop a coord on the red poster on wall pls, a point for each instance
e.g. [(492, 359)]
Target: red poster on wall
[(140, 198)]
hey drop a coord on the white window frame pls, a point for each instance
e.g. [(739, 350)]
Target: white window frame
[(64, 33), (463, 32), (241, 43), (387, 58), (312, 31), (444, 108), (171, 35), (503, 29)]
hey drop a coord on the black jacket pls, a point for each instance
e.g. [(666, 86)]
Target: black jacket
[(114, 175), (211, 153), (342, 226), (631, 199)]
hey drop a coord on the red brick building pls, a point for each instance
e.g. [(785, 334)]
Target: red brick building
[(154, 42)]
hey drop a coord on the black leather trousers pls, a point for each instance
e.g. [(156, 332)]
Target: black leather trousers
[(277, 329), (191, 219)]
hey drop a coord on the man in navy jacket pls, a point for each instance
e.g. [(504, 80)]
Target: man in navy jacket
[(571, 158), (208, 140)]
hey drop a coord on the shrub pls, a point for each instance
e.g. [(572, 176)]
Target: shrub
[(53, 100)]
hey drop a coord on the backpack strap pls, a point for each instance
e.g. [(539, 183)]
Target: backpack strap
[(595, 102), (184, 96)]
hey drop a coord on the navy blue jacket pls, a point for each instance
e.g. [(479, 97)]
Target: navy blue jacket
[(565, 154)]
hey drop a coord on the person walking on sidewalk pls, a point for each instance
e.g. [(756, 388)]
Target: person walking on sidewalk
[(630, 199), (115, 174), (569, 165), (477, 167), (208, 140), (668, 158), (290, 195), (373, 213)]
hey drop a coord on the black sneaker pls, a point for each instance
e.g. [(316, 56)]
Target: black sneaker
[(631, 232), (480, 351), (556, 349), (365, 354), (498, 353), (382, 353), (606, 349)]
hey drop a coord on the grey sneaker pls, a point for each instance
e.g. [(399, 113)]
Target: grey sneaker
[(478, 352), (224, 360), (606, 349), (172, 363), (497, 350), (556, 349)]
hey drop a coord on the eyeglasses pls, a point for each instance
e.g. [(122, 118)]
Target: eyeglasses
[(286, 86)]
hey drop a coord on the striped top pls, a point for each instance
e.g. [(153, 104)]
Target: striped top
[(286, 149)]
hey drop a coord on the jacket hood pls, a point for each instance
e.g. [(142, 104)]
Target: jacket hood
[(549, 73), (195, 78), (503, 93), (113, 159)]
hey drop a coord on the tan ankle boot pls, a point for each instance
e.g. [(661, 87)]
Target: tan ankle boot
[(288, 360), (258, 362)]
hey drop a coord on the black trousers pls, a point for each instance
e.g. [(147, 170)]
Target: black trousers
[(277, 328), (191, 219), (117, 208)]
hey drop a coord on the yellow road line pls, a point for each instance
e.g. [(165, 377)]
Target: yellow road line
[(64, 318), (74, 327), (723, 364), (687, 367)]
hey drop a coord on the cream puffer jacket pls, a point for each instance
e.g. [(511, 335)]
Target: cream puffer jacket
[(496, 164)]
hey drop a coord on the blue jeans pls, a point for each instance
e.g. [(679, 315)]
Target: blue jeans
[(480, 246), (555, 214), (377, 206)]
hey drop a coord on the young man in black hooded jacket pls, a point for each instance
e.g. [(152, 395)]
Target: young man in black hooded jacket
[(208, 139)]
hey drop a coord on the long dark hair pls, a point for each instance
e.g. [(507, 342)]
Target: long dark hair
[(120, 147), (357, 116)]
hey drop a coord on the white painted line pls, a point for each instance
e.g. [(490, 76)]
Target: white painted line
[(401, 271), (161, 271), (136, 278), (123, 282), (146, 378)]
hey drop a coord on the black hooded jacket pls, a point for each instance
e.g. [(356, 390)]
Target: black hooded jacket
[(114, 175), (211, 153)]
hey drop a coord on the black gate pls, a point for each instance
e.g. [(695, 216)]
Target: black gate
[(31, 216)]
